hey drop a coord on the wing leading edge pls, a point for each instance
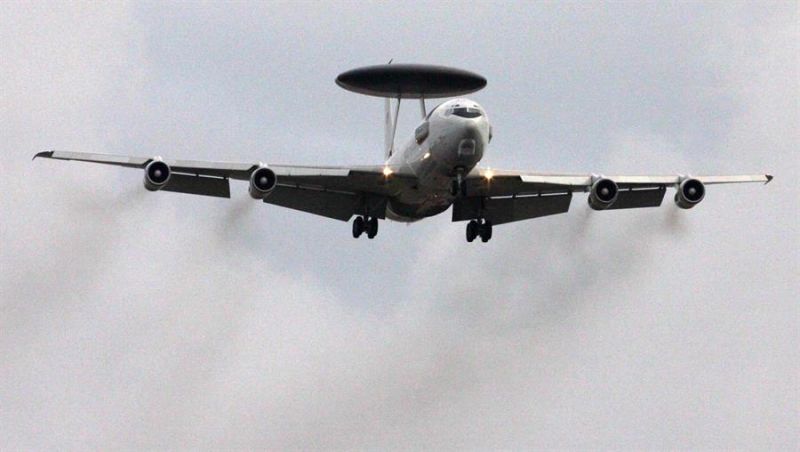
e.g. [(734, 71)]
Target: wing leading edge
[(490, 182)]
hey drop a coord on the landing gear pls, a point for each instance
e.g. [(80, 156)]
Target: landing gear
[(458, 188), (362, 225), (459, 184), (372, 227), (479, 228), (472, 230), (358, 227), (486, 231)]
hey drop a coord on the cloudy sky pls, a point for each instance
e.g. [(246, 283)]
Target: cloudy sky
[(139, 320)]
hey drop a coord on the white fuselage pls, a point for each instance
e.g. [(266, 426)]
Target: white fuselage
[(457, 135)]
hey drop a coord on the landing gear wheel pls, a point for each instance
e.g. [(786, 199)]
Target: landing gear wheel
[(486, 231), (358, 227), (472, 230), (372, 227)]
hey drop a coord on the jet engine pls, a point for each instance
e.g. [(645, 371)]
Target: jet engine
[(603, 194), (156, 175), (262, 182), (690, 193)]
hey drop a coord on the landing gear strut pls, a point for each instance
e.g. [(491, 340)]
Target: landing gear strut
[(459, 184), (479, 228), (365, 224)]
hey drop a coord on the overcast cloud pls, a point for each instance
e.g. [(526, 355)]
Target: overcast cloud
[(138, 320)]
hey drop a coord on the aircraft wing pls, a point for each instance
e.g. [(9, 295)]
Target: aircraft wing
[(505, 196), (333, 192)]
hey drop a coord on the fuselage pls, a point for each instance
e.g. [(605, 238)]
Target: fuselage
[(449, 142)]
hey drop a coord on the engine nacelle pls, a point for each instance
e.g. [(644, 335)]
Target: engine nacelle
[(690, 193), (603, 194), (262, 182), (156, 175)]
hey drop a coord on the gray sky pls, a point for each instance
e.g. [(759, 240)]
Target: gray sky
[(130, 319)]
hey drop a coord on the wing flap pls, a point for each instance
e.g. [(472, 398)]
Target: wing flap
[(199, 185), (336, 205), (513, 185), (510, 209), (361, 180), (232, 170), (632, 199)]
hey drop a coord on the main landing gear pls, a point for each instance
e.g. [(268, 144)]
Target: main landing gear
[(479, 228), (365, 224)]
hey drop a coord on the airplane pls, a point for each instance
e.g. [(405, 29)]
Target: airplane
[(435, 170)]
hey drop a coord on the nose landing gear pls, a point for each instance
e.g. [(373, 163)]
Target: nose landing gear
[(459, 184), (459, 187), (479, 228), (365, 224)]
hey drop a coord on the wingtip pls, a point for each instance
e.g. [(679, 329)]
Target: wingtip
[(46, 154), (769, 178)]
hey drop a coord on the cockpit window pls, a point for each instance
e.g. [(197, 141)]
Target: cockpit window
[(466, 112)]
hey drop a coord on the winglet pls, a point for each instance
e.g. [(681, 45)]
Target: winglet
[(45, 154), (769, 178)]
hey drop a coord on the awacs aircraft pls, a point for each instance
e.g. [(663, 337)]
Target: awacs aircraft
[(436, 169)]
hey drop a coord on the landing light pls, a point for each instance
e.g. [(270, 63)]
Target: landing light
[(387, 171)]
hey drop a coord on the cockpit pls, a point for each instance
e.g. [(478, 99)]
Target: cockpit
[(459, 108), (466, 112)]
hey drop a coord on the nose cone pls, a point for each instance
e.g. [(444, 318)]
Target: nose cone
[(475, 129), (466, 147), (469, 143)]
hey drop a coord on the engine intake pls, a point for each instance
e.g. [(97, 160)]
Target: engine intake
[(690, 193), (603, 194), (156, 175), (262, 182)]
